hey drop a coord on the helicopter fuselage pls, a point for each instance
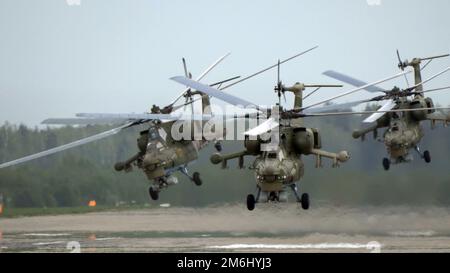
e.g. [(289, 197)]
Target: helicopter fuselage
[(160, 157), (401, 136), (279, 166), (276, 170)]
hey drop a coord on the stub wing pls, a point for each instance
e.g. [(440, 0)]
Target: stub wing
[(439, 116)]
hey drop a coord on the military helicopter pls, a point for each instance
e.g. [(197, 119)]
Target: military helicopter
[(278, 164), (404, 131), (159, 155)]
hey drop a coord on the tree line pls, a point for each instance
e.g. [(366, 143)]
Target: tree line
[(75, 176)]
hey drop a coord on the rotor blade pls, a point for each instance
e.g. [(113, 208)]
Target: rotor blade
[(357, 89), (398, 56), (215, 93), (389, 105), (202, 75), (268, 68), (147, 117), (186, 103), (423, 67), (335, 107), (406, 80), (352, 81), (83, 121), (264, 127), (66, 146), (129, 116), (224, 81), (175, 108), (435, 57), (186, 73), (373, 112), (278, 71), (432, 90), (429, 79), (314, 91)]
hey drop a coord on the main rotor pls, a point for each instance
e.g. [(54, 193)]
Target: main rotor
[(297, 89)]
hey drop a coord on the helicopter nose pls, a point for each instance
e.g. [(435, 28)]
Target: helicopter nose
[(268, 170), (268, 173)]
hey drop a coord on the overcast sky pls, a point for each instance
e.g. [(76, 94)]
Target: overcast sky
[(117, 56)]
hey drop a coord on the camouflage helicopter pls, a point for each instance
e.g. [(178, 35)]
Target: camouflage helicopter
[(278, 164), (159, 155), (404, 131)]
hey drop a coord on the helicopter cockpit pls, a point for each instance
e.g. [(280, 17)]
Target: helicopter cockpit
[(156, 139)]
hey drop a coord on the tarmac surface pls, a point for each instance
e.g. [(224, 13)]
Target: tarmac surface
[(231, 228)]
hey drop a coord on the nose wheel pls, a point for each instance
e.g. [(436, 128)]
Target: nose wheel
[(154, 193), (305, 201), (196, 179), (386, 164), (427, 156), (251, 201)]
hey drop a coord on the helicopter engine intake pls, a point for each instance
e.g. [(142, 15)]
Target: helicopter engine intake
[(305, 140), (421, 103)]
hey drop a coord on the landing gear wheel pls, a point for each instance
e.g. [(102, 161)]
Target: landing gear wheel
[(427, 156), (251, 202), (305, 201), (196, 179), (153, 193), (386, 163)]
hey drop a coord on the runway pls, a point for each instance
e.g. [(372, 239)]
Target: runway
[(231, 228)]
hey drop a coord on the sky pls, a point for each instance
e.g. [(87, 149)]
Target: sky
[(115, 56)]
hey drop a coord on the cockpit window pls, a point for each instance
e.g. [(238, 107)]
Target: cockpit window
[(153, 134), (155, 146)]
